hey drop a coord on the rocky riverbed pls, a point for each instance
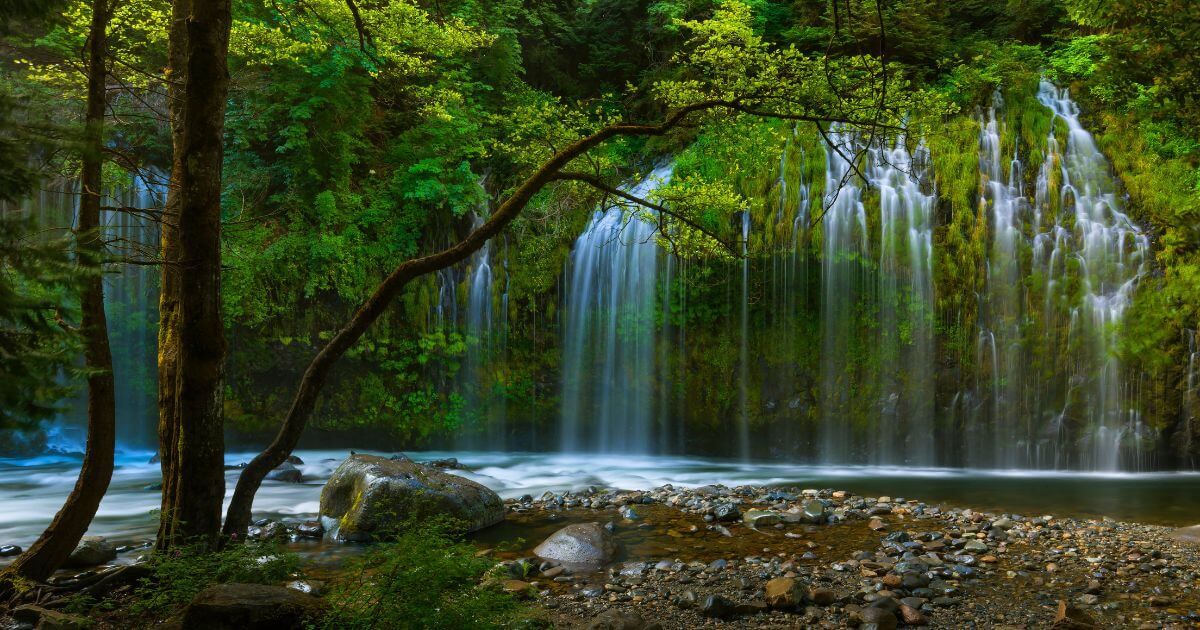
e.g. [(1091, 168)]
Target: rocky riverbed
[(752, 556), (771, 556)]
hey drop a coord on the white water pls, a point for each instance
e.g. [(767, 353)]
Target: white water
[(895, 280), (32, 490), (484, 338), (1190, 413), (844, 226), (608, 364), (904, 432)]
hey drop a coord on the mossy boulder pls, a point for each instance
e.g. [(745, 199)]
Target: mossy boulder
[(368, 495), (251, 607)]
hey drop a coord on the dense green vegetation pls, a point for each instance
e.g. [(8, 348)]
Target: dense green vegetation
[(351, 146)]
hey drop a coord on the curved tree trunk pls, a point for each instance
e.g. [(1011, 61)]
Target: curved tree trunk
[(191, 334), (55, 545), (237, 518)]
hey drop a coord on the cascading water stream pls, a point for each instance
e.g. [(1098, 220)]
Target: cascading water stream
[(482, 340), (1191, 394), (897, 283), (905, 426), (844, 225), (1005, 442), (608, 364), (1058, 395), (1110, 252), (743, 350)]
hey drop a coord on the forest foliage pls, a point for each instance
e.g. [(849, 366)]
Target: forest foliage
[(356, 141)]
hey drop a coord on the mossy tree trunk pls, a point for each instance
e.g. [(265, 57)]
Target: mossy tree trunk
[(191, 334)]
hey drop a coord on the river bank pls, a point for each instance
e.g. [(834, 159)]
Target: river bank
[(767, 557)]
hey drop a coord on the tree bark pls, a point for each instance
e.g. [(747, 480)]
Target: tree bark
[(57, 542), (191, 337), (237, 518)]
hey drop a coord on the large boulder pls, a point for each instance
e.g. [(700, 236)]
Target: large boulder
[(580, 545), (92, 551), (250, 607), (368, 495), (287, 473)]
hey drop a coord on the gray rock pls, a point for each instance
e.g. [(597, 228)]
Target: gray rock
[(287, 473), (250, 607), (92, 551), (878, 617), (580, 545), (368, 495), (975, 545), (717, 607), (727, 512), (310, 529)]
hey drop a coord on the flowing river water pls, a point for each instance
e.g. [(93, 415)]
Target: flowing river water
[(32, 490)]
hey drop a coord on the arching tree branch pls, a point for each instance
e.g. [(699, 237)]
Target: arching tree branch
[(601, 185)]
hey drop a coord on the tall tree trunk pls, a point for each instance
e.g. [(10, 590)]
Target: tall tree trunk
[(57, 542), (191, 333)]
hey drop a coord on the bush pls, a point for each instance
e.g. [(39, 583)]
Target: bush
[(427, 577), (180, 574)]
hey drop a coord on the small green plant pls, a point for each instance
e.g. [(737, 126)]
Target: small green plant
[(180, 574), (426, 577)]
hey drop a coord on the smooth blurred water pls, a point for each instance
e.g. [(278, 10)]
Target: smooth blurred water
[(32, 490)]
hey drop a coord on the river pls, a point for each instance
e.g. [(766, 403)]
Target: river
[(31, 490)]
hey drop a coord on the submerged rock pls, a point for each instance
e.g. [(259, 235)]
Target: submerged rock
[(617, 619), (92, 551), (784, 593), (761, 518), (1187, 534), (581, 545), (250, 607), (368, 495)]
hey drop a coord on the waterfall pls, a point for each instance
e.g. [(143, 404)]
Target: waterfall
[(894, 407), (1110, 252), (1005, 442), (905, 425), (1058, 395), (844, 226), (130, 299), (1190, 412), (483, 338), (743, 350), (611, 300)]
